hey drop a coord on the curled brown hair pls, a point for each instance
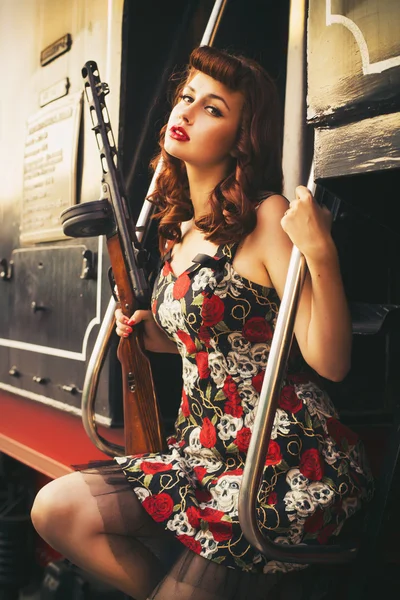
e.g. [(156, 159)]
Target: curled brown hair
[(257, 164)]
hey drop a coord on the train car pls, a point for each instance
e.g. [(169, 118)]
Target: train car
[(55, 289)]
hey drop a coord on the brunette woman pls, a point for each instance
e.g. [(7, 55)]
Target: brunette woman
[(166, 525)]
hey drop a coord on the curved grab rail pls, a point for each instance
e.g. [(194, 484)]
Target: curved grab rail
[(261, 435), (294, 170), (93, 371)]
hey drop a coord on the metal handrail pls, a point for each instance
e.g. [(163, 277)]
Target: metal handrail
[(283, 335), (102, 343), (91, 382)]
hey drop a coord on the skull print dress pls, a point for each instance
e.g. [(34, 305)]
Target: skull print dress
[(315, 474)]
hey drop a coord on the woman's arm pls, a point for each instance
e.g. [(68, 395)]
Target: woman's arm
[(323, 325), (154, 338)]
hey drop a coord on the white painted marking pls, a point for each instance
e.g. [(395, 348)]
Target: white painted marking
[(42, 349), (367, 67)]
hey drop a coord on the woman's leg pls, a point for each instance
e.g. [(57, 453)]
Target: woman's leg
[(95, 523)]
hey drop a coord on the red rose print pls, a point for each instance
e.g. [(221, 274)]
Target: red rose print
[(272, 498), (234, 472), (233, 408), (212, 310), (181, 286), (205, 335), (311, 464), (230, 389), (211, 515), (339, 432), (200, 473), (221, 531), (185, 404), (289, 400), (151, 468), (166, 269), (274, 455), (257, 329), (325, 534), (154, 307), (242, 440), (159, 506), (208, 436), (190, 542), (193, 515), (315, 522), (202, 495), (202, 365), (187, 340), (257, 381), (233, 405)]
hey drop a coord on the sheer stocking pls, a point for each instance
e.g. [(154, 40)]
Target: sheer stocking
[(96, 521)]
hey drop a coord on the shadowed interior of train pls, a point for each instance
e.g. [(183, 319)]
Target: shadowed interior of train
[(365, 229)]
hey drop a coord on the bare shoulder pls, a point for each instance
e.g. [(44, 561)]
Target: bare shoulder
[(271, 209), (271, 243), (269, 215), (251, 258)]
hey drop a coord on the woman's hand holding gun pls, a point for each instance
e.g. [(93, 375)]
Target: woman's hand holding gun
[(154, 338)]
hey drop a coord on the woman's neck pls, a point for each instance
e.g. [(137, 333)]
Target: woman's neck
[(201, 184)]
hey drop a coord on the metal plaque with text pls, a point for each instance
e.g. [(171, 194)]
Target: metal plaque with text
[(50, 165)]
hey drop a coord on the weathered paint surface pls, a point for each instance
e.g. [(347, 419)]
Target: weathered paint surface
[(353, 59), (355, 148), (39, 342)]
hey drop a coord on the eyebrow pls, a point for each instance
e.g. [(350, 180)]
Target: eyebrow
[(214, 96)]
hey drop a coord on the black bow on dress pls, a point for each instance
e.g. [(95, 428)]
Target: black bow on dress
[(214, 263)]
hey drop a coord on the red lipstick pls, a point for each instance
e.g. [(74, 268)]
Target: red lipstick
[(178, 133)]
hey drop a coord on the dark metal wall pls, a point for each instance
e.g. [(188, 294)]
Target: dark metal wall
[(354, 106), (53, 289)]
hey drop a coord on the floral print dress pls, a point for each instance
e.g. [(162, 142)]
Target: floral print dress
[(315, 472)]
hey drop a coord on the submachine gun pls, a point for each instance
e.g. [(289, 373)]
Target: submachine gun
[(110, 216)]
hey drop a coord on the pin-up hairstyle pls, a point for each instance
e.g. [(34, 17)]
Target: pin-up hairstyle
[(257, 155)]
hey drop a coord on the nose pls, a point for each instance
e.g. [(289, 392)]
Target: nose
[(186, 113)]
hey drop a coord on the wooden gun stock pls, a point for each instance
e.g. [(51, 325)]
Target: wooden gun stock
[(143, 428)]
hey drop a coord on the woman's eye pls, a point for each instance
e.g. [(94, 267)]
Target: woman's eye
[(186, 98), (215, 112)]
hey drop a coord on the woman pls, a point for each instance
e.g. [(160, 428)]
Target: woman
[(226, 235)]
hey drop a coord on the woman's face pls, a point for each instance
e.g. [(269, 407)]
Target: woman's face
[(203, 125)]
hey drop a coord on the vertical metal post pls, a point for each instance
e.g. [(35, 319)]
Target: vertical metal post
[(294, 131)]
